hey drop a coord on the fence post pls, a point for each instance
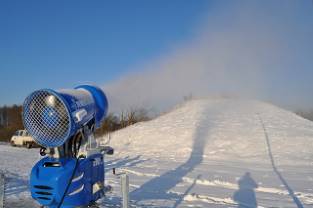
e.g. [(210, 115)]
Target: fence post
[(125, 190), (2, 184)]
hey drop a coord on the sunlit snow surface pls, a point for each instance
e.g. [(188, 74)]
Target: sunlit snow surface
[(194, 156)]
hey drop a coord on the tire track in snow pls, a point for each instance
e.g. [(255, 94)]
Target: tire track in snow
[(289, 189)]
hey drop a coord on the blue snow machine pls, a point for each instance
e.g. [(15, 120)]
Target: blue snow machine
[(71, 172)]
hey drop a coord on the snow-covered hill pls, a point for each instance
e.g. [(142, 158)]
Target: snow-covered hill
[(195, 155)]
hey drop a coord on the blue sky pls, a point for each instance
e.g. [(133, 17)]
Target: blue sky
[(57, 44), (60, 44)]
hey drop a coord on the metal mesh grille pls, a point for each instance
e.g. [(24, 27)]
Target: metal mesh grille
[(46, 118)]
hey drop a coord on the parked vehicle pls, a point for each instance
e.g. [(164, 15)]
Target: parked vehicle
[(22, 138)]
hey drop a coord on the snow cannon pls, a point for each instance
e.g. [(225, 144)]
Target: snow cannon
[(71, 172), (53, 117)]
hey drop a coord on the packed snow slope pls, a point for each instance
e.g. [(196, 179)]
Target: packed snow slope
[(194, 155), (204, 153)]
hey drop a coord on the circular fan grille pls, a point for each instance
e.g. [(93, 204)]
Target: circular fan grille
[(46, 118)]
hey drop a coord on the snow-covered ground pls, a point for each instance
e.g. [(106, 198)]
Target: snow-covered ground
[(195, 155)]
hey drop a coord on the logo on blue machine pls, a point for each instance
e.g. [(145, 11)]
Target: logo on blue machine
[(97, 161)]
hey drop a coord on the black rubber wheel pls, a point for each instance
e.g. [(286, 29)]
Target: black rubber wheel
[(28, 145)]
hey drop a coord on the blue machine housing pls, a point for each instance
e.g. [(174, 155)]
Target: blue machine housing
[(94, 102), (49, 178), (56, 119), (100, 102), (78, 106)]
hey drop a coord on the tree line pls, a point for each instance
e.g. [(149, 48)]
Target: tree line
[(11, 121), (115, 122)]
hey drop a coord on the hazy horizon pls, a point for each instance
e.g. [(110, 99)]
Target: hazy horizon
[(259, 50)]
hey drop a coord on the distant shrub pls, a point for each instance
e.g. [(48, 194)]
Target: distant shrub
[(306, 114), (126, 118), (188, 97)]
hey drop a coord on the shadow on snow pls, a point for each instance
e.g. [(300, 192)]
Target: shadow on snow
[(159, 187)]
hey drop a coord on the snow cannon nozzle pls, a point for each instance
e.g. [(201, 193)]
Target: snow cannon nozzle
[(52, 117)]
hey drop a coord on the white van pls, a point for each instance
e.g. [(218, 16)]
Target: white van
[(22, 138)]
